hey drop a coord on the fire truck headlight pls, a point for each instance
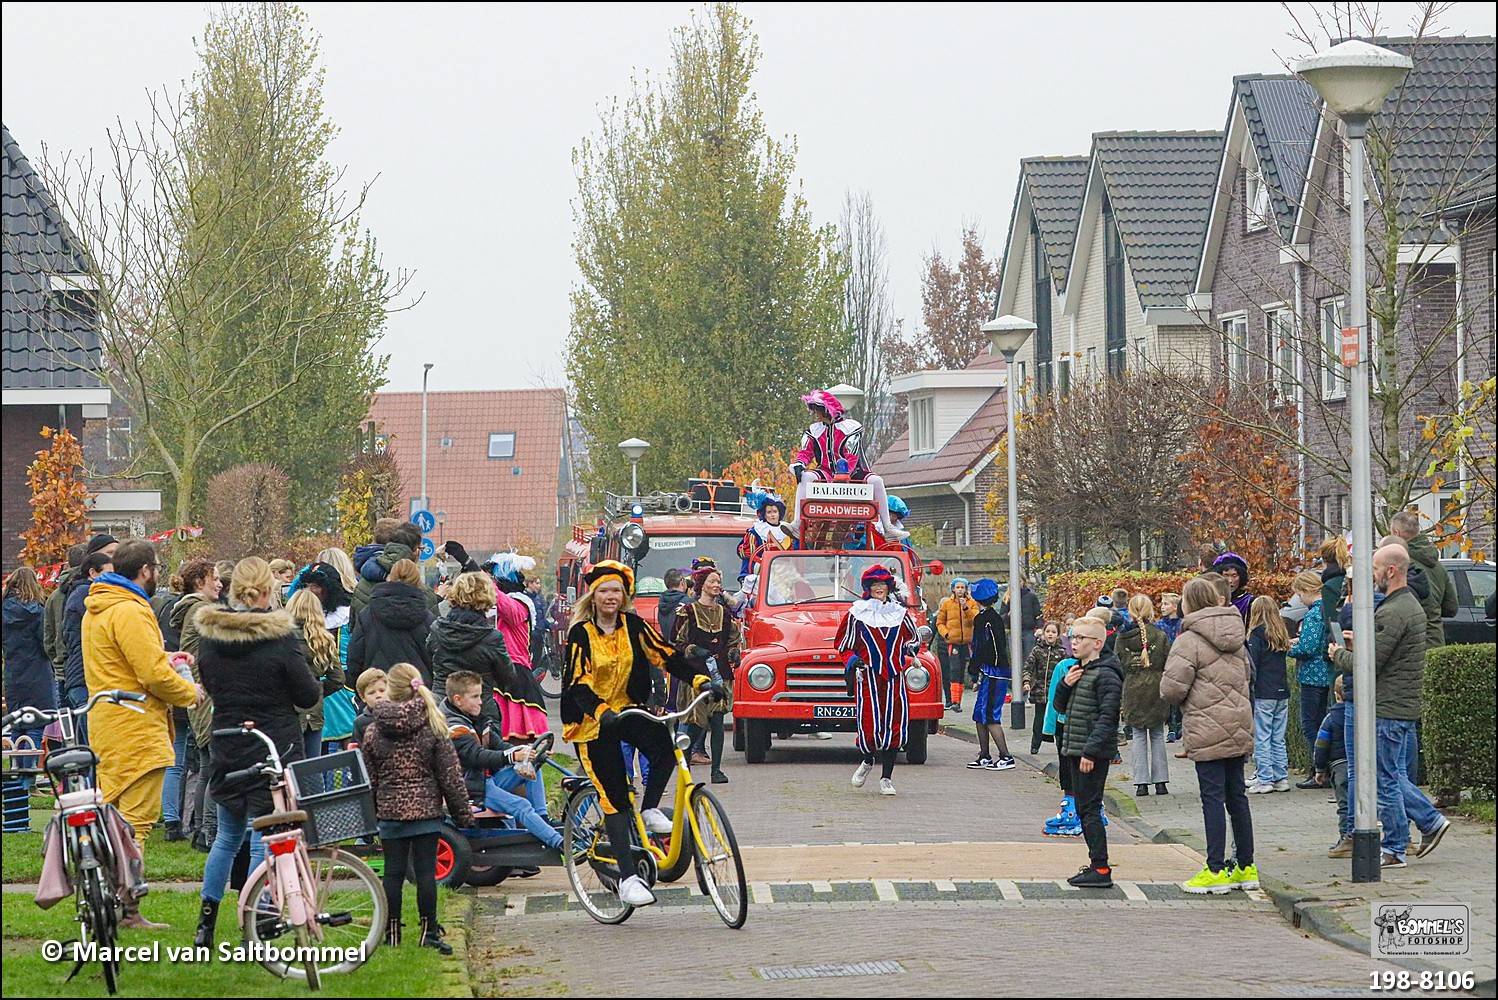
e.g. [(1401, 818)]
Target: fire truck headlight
[(761, 677), (917, 677), (632, 536)]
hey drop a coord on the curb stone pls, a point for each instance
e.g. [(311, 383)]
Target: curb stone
[(455, 981)]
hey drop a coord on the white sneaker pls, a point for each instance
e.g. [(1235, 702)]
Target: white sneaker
[(656, 822), (1259, 788), (821, 735), (886, 786), (1002, 764), (635, 892), (980, 764), (1283, 785), (862, 774)]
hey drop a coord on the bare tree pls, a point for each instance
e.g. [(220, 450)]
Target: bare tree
[(868, 312)]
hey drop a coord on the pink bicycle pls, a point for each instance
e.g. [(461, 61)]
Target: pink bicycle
[(307, 911)]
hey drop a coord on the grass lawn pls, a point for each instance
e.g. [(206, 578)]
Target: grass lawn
[(407, 971), (1486, 812), (21, 860)]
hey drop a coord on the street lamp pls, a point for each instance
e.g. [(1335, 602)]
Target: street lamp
[(426, 370), (441, 517), (634, 449), (1353, 79), (850, 396), (1008, 334)]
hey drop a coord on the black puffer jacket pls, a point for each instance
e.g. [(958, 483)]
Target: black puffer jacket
[(466, 640), (72, 634), (391, 630), (255, 668)]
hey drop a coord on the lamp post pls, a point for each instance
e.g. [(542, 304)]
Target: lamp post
[(1353, 79), (634, 449), (1008, 334), (426, 370), (850, 396)]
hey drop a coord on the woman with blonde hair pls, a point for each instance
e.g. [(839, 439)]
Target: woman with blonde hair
[(310, 626), (1335, 562), (414, 772), (466, 639), (1268, 642), (392, 628), (339, 560)]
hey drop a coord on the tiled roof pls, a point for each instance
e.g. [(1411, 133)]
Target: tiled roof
[(1282, 113), (1160, 186), (957, 457), (1056, 184), (491, 503), (1443, 114), (44, 347)]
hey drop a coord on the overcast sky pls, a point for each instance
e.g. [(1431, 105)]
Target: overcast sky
[(468, 116)]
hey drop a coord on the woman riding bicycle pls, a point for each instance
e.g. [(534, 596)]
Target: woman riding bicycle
[(610, 651)]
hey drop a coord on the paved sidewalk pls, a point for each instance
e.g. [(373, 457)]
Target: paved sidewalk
[(1292, 831)]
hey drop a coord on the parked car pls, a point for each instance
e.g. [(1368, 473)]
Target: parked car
[(1475, 583)]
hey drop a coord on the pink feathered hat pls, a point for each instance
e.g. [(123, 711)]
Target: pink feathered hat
[(826, 400)]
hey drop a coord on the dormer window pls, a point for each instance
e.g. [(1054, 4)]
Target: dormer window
[(1256, 200), (922, 425)]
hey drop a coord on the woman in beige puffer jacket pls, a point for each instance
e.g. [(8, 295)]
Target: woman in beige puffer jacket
[(1207, 674)]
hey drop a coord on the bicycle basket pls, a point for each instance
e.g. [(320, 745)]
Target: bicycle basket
[(334, 792)]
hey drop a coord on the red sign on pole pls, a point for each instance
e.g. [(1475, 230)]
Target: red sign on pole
[(1350, 352)]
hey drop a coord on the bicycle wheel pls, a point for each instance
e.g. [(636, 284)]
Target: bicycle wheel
[(595, 882), (551, 678), (101, 922), (305, 939), (719, 866), (349, 902)]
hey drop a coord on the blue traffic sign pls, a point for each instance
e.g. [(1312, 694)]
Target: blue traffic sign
[(424, 520), (428, 549)]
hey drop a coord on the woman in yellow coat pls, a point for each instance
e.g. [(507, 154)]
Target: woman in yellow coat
[(122, 650), (954, 622)]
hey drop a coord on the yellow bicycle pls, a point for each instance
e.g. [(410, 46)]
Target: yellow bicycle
[(700, 832)]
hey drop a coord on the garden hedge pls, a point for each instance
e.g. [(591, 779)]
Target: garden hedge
[(1458, 719), (1074, 593)]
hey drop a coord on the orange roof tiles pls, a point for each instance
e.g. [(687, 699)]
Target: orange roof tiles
[(491, 503)]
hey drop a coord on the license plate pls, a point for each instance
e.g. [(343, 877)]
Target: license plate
[(832, 712)]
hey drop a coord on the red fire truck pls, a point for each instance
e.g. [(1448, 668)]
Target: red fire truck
[(791, 678)]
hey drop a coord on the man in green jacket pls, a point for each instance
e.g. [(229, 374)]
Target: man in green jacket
[(1440, 602), (1399, 639), (52, 643)]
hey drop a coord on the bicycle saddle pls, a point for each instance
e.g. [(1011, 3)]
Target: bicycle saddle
[(578, 781), (294, 818), (73, 760)]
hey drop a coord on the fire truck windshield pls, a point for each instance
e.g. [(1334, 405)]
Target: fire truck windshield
[(797, 578), (667, 551)]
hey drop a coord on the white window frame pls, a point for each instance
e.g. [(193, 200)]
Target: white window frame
[(1257, 208), (1235, 347), (497, 438), (1335, 376), (923, 425), (123, 426), (1280, 350), (1092, 362)]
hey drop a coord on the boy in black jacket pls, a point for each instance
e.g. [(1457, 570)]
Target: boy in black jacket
[(1329, 762), (481, 751), (1090, 694)]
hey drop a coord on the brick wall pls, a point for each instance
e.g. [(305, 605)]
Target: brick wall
[(1481, 340), (20, 440)]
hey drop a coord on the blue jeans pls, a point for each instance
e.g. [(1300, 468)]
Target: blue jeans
[(1349, 817), (630, 756), (523, 808), (231, 830), (1312, 710), (1271, 759), (1399, 800), (77, 697), (171, 788)]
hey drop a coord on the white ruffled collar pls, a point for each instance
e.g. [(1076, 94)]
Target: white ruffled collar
[(765, 530), (878, 614), (337, 618)]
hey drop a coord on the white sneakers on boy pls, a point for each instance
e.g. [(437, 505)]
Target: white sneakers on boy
[(862, 774), (656, 822), (886, 786), (635, 892)]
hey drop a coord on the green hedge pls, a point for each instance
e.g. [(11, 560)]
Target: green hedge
[(1458, 718)]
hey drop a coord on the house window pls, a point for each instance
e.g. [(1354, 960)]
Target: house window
[(1333, 371), (1336, 513), (73, 306), (1043, 346), (1256, 207), (1092, 362), (502, 445), (1279, 329), (1063, 371), (118, 443), (922, 425), (1235, 348), (446, 443), (1115, 322)]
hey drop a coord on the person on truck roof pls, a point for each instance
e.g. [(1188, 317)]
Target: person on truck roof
[(765, 533), (833, 439)]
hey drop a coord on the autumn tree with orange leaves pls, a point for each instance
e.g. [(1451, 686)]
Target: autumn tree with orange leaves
[(771, 466), (59, 500), (1243, 485)]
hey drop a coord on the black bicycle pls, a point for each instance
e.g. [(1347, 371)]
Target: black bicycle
[(93, 858)]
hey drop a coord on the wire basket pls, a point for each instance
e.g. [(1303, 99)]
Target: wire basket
[(334, 792)]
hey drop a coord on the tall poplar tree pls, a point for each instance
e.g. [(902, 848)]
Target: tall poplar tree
[(709, 300)]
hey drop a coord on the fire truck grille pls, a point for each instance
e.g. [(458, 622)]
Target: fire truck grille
[(818, 682)]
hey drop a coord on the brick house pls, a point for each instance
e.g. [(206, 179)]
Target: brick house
[(50, 358), (1272, 276), (943, 465), (501, 464)]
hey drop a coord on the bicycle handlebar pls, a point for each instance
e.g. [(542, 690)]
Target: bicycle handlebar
[(663, 719), (28, 716), (274, 763)]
